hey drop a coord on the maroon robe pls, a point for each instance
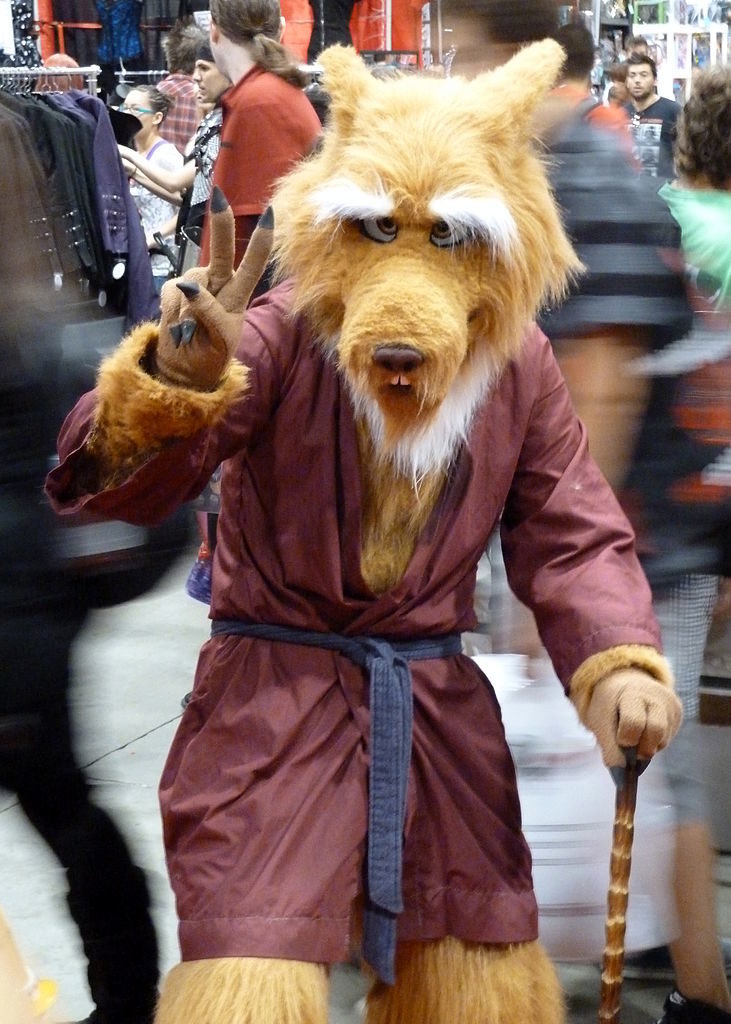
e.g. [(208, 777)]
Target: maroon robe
[(264, 795)]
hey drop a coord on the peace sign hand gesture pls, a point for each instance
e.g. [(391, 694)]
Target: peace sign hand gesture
[(202, 313)]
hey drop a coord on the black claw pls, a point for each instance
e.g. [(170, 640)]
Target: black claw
[(267, 219), (187, 330), (176, 333), (219, 202), (189, 288)]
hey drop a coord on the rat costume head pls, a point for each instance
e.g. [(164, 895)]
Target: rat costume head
[(421, 239)]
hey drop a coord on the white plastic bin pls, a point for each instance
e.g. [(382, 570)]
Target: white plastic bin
[(567, 798)]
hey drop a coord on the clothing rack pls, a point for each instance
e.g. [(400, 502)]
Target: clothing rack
[(31, 79), (124, 76)]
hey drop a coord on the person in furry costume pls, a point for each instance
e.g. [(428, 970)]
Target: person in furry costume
[(341, 773)]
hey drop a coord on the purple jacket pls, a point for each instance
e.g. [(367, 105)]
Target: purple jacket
[(121, 229)]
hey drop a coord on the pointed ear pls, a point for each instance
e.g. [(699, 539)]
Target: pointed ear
[(346, 79), (521, 83)]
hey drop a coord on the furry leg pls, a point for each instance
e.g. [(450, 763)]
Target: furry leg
[(449, 980), (244, 990)]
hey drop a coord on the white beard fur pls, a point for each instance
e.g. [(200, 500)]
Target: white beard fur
[(432, 448)]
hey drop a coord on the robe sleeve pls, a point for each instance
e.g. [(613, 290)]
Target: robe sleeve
[(568, 547), (179, 469)]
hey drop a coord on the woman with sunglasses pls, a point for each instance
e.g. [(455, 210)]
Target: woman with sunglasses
[(193, 181), (150, 107)]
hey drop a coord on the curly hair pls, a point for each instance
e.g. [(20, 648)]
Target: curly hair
[(703, 147), (256, 24)]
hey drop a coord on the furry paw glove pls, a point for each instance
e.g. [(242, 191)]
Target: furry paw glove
[(202, 312), (169, 380), (625, 697)]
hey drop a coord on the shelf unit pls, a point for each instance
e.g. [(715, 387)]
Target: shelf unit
[(684, 35)]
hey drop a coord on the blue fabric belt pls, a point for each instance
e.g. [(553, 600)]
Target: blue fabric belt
[(390, 742)]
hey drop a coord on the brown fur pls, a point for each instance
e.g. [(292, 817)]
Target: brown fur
[(244, 990), (415, 139), (137, 414), (599, 666), (419, 137), (449, 981)]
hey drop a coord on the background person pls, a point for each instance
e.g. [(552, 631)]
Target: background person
[(193, 181), (269, 125), (636, 45), (42, 610), (150, 106), (330, 25), (684, 501), (616, 76), (574, 86), (59, 83), (652, 119), (268, 122), (180, 47)]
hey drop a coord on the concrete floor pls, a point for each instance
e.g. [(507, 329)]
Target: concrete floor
[(132, 666)]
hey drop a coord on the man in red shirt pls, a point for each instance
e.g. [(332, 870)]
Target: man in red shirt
[(268, 125), (574, 86), (268, 122)]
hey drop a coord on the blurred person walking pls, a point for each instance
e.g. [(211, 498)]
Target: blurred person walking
[(680, 481), (631, 300), (41, 613), (575, 84)]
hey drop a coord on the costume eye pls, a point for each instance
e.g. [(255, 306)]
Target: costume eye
[(444, 236), (379, 229)]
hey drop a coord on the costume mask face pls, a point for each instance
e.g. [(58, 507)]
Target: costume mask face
[(422, 238)]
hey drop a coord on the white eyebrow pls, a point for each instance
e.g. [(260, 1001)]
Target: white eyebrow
[(482, 218), (341, 199)]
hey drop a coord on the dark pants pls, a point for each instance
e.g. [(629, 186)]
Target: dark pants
[(107, 893)]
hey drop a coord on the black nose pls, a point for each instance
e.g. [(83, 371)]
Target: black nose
[(398, 358)]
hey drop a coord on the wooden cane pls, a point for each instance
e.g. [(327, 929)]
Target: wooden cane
[(618, 895)]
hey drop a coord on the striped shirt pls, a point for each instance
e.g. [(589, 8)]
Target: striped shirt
[(624, 235)]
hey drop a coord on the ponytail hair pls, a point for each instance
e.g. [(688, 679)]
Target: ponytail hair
[(256, 25)]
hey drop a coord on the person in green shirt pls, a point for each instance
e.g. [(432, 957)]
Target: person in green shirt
[(687, 429), (700, 197)]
